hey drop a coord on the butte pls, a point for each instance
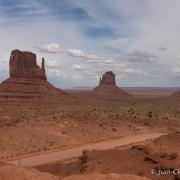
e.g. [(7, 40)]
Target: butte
[(107, 86), (28, 81)]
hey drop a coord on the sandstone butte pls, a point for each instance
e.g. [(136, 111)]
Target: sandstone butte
[(27, 81), (107, 86)]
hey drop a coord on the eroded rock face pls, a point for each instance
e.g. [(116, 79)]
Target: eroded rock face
[(108, 78), (24, 65), (27, 81)]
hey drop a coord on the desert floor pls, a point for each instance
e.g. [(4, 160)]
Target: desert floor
[(29, 130)]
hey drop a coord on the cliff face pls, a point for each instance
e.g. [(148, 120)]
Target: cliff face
[(24, 65), (107, 86)]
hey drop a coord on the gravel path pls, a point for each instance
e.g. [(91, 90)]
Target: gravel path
[(77, 151)]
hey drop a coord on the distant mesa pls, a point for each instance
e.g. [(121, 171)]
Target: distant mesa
[(27, 80), (107, 86)]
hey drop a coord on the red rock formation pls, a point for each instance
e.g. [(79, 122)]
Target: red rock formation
[(24, 65), (107, 86), (27, 80), (108, 78)]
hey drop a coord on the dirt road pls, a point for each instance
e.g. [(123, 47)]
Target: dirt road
[(77, 151)]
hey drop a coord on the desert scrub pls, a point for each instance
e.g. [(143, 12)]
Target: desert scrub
[(172, 156), (150, 114), (169, 156)]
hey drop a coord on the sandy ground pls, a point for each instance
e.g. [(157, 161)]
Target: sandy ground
[(27, 130), (33, 130)]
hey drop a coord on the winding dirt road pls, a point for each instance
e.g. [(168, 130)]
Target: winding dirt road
[(77, 151)]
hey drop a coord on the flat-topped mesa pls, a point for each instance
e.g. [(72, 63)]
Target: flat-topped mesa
[(108, 78), (23, 64)]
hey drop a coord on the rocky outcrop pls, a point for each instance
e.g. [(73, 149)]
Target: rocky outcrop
[(107, 86), (27, 81), (24, 65)]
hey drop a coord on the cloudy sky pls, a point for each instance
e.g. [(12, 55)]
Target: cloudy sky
[(137, 39)]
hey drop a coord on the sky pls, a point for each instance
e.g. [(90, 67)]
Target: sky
[(138, 40)]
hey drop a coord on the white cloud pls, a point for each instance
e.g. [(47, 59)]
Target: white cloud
[(50, 48), (77, 67), (91, 57), (56, 73), (131, 71), (53, 63), (176, 70), (75, 53), (94, 61), (83, 69), (95, 66), (76, 77), (137, 57), (109, 61)]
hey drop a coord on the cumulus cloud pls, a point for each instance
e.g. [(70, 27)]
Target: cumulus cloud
[(75, 53), (95, 65), (99, 69), (54, 72), (91, 58), (50, 48), (77, 67), (109, 61), (137, 57), (53, 63), (94, 61)]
